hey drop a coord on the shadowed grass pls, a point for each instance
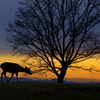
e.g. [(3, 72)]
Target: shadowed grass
[(48, 91)]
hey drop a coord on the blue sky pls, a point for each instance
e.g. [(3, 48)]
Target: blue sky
[(7, 14)]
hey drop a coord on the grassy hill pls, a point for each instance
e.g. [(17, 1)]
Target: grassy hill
[(48, 91)]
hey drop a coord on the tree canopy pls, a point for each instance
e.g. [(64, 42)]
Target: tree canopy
[(56, 33)]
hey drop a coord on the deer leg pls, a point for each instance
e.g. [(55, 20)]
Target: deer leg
[(17, 77), (2, 77), (12, 74), (3, 73)]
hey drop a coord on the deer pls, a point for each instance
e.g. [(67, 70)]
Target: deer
[(13, 68)]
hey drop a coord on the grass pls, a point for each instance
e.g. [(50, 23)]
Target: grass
[(48, 91)]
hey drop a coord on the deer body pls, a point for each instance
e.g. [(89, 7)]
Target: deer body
[(12, 68)]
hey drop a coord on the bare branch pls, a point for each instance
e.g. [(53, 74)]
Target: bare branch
[(56, 32)]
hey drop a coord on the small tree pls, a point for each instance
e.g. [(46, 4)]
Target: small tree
[(56, 33)]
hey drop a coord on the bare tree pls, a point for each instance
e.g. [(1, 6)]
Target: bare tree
[(56, 34)]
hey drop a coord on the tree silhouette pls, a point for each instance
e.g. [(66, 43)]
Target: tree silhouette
[(56, 34)]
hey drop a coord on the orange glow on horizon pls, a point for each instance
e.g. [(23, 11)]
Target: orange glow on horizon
[(70, 73)]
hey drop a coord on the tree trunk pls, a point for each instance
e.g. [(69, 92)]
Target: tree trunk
[(62, 73), (60, 79)]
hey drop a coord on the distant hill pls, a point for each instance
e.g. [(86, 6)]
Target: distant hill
[(69, 80), (47, 80), (20, 79)]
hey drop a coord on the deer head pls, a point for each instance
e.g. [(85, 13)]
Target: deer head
[(27, 70)]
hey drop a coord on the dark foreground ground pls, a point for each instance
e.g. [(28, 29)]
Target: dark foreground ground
[(48, 91)]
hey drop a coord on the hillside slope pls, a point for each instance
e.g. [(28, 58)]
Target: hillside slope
[(48, 91)]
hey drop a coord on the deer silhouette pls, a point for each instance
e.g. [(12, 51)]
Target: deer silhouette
[(13, 68)]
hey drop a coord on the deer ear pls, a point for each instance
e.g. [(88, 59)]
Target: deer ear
[(25, 67)]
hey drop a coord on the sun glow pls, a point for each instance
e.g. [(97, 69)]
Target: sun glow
[(70, 73)]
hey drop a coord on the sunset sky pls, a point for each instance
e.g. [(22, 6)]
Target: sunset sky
[(7, 14)]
